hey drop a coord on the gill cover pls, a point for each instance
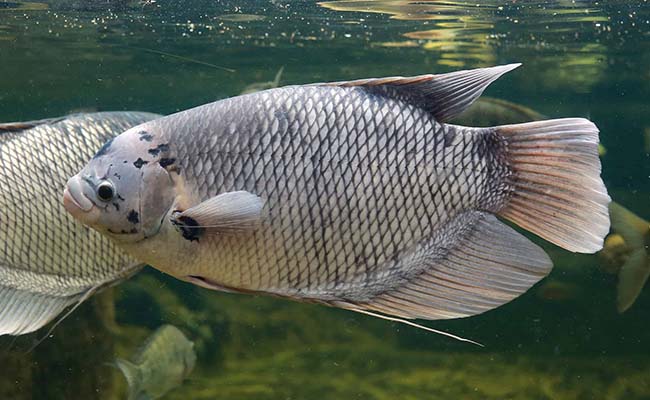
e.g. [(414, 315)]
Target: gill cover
[(130, 191), (156, 197)]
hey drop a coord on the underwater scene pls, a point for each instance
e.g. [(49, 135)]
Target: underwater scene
[(146, 265)]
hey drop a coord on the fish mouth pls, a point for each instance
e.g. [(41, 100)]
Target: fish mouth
[(74, 200)]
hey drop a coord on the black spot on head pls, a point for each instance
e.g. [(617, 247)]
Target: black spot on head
[(118, 176), (117, 206), (188, 227), (120, 197), (104, 149), (123, 231), (160, 148), (166, 162), (145, 136), (139, 163), (133, 217)]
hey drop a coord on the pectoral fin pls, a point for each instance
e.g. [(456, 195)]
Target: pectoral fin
[(232, 212)]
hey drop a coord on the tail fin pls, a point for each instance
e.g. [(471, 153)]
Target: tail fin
[(558, 193), (634, 273), (132, 375)]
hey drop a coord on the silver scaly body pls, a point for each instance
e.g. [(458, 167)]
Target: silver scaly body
[(350, 181), (355, 194), (47, 259)]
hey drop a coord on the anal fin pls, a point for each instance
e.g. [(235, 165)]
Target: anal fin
[(486, 267), (22, 311)]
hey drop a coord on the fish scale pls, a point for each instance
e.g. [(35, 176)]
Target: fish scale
[(403, 152), (47, 259), (30, 154)]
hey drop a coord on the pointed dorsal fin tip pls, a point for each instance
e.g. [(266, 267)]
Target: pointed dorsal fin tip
[(443, 95)]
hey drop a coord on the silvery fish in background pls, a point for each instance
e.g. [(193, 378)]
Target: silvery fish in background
[(354, 194), (48, 260), (164, 361)]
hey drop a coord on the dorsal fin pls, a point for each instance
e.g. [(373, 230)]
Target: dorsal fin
[(444, 95), (21, 126)]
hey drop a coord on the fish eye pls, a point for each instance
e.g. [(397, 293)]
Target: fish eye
[(105, 191)]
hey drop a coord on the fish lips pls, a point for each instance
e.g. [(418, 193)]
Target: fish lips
[(76, 202)]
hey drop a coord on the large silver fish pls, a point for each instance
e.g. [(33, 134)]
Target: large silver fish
[(163, 362), (354, 194), (48, 260)]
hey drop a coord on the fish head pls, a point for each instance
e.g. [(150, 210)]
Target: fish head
[(124, 192)]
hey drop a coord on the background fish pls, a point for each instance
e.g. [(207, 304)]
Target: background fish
[(626, 253), (48, 260), (163, 362), (488, 111), (258, 86), (353, 194)]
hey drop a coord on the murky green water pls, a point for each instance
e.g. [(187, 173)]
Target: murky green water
[(563, 339)]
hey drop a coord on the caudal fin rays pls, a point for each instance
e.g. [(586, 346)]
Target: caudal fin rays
[(557, 192)]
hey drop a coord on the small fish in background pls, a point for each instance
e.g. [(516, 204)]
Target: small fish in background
[(490, 111), (259, 86), (48, 260), (626, 253), (358, 194), (166, 358)]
